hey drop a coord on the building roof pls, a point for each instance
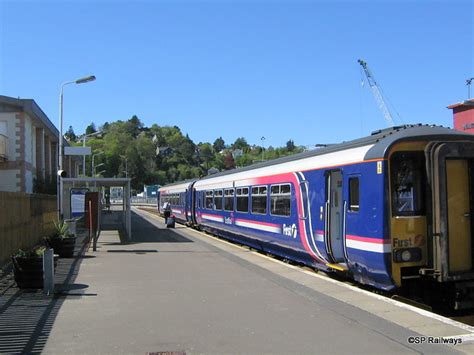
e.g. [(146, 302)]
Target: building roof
[(467, 103), (31, 107)]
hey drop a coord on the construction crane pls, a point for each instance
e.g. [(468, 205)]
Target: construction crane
[(377, 93)]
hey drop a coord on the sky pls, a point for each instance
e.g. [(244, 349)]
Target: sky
[(275, 69)]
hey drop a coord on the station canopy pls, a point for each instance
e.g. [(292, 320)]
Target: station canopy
[(69, 185)]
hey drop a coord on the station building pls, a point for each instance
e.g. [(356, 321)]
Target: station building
[(463, 116), (28, 146)]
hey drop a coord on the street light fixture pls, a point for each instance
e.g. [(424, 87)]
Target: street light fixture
[(100, 172), (126, 165), (93, 157), (84, 138), (95, 167), (60, 162)]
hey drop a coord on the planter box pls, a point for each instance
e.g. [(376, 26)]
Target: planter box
[(63, 247), (28, 271)]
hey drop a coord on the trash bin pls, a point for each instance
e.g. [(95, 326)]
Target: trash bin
[(170, 222)]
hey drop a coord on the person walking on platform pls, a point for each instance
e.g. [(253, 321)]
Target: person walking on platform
[(167, 210)]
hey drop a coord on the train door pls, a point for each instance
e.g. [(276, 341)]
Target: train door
[(450, 169), (187, 206), (194, 202), (334, 236)]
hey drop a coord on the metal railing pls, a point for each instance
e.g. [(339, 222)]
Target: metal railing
[(143, 201)]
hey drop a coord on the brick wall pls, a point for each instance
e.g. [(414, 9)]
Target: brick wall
[(25, 219)]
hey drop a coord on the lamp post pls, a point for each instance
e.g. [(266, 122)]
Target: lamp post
[(84, 138), (262, 139), (93, 157), (468, 83), (95, 168), (126, 164), (60, 162)]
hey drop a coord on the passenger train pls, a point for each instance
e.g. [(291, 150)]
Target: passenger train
[(392, 210)]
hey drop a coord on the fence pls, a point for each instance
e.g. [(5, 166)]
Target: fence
[(135, 200), (25, 219)]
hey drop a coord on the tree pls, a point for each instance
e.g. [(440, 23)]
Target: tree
[(244, 160), (219, 145), (205, 153), (91, 128), (229, 162), (105, 127), (290, 145), (70, 135), (240, 143), (134, 126)]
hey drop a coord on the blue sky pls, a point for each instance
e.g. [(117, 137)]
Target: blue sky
[(279, 69)]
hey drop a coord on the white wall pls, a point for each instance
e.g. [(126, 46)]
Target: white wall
[(8, 180), (28, 140), (29, 182)]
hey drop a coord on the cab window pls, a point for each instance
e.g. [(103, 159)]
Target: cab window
[(407, 183)]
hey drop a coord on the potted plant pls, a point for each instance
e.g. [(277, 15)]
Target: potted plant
[(62, 241), (28, 267)]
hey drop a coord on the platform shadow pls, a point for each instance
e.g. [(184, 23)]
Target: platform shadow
[(27, 316), (145, 232)]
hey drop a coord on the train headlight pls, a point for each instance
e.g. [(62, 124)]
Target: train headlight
[(406, 255)]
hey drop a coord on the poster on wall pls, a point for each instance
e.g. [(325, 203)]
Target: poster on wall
[(77, 202)]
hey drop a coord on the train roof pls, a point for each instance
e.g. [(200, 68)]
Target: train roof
[(177, 186), (384, 139), (381, 141), (377, 144)]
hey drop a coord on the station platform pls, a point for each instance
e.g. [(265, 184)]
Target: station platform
[(181, 291)]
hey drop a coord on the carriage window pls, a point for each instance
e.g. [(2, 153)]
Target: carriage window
[(354, 194), (408, 177), (280, 200), (209, 200), (242, 199), (259, 200), (229, 199), (218, 199)]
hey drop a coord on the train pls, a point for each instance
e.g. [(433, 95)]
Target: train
[(393, 210)]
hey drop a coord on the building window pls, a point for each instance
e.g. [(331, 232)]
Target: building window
[(229, 199), (280, 200), (209, 200), (354, 194), (259, 200), (3, 140), (242, 194), (218, 199)]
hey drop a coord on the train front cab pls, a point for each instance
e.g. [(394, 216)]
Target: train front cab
[(431, 203)]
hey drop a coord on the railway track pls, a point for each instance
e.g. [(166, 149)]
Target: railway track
[(465, 318)]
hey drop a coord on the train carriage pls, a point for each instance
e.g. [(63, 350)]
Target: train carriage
[(392, 210), (179, 199)]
